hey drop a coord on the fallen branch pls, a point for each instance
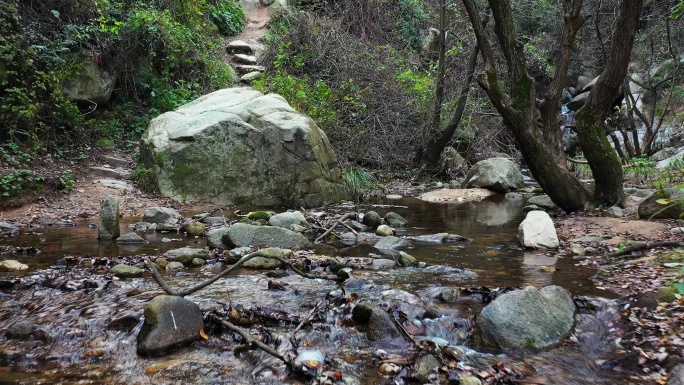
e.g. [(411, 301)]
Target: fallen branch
[(638, 246), (157, 277), (339, 221), (308, 318), (249, 342)]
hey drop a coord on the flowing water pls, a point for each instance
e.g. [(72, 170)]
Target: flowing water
[(88, 322)]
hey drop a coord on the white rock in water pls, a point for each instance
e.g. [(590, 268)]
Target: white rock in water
[(537, 231)]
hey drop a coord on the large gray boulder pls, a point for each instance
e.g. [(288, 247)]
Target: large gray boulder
[(109, 219), (671, 204), (241, 234), (527, 319), (537, 231), (170, 321), (91, 82), (238, 146), (500, 175)]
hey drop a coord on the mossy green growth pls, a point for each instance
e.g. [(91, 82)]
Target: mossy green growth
[(105, 144), (673, 256), (257, 215), (667, 294)]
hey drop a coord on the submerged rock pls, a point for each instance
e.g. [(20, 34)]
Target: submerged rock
[(392, 243), (362, 312), (395, 220), (131, 239), (127, 271), (185, 255), (195, 228), (383, 231), (537, 231), (12, 265), (170, 321), (424, 367), (406, 259), (241, 234), (6, 228), (441, 238), (527, 319), (22, 330), (262, 263), (109, 219), (381, 327), (215, 237), (372, 219), (161, 215)]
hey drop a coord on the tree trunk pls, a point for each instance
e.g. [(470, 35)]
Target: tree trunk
[(518, 109), (437, 144), (603, 161), (441, 138), (550, 109)]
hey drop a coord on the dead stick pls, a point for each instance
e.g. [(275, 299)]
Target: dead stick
[(232, 268), (249, 341), (638, 246), (343, 218), (308, 318)]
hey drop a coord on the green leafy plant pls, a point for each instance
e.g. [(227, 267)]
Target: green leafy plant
[(67, 180), (18, 182), (359, 183), (228, 17), (146, 178)]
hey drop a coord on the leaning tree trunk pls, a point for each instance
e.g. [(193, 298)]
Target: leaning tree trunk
[(518, 108), (603, 161), (440, 138)]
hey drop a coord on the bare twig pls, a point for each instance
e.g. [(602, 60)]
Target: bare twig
[(230, 269), (249, 342), (339, 221), (308, 317)]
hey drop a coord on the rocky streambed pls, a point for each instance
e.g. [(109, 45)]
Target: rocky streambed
[(393, 316)]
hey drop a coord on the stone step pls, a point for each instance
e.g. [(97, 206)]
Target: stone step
[(114, 184), (116, 162), (244, 59), (244, 69), (111, 173), (239, 47), (248, 78)]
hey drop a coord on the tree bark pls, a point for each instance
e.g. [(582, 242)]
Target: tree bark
[(603, 161), (518, 108)]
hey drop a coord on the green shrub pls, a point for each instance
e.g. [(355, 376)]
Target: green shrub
[(146, 178), (66, 180), (228, 17), (20, 181), (359, 183)]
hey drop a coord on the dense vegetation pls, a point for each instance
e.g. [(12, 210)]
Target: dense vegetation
[(365, 70), (162, 54)]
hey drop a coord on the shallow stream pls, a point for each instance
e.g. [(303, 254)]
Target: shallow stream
[(89, 325)]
